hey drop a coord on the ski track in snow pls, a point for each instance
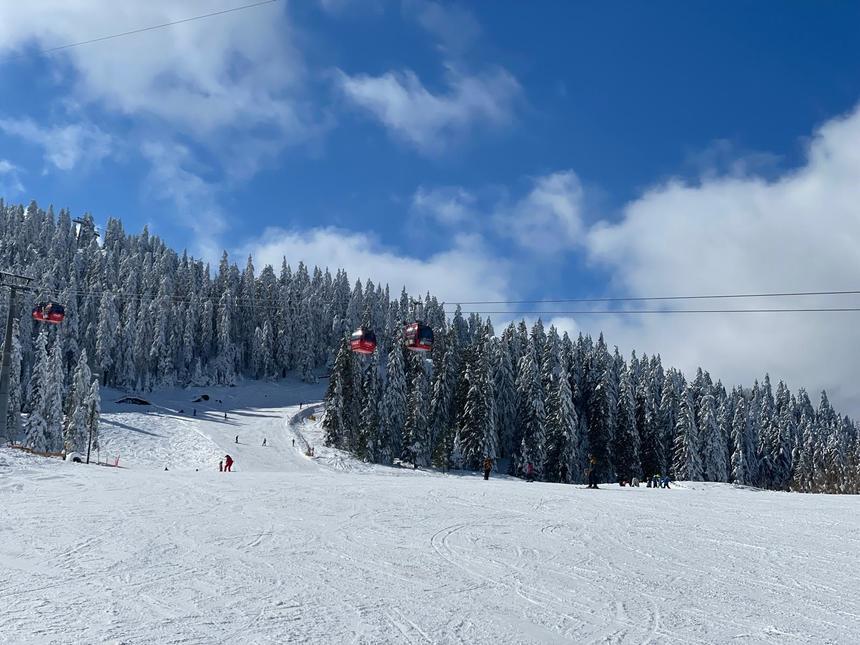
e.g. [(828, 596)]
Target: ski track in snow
[(331, 550)]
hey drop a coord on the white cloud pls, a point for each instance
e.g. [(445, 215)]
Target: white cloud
[(466, 271), (450, 205), (455, 28), (549, 218), (742, 234), (196, 200), (431, 121), (199, 76), (10, 182), (64, 146)]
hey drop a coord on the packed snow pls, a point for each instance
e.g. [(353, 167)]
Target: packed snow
[(326, 549)]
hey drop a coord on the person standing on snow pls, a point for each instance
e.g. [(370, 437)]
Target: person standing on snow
[(530, 472), (221, 466), (264, 442), (228, 464), (237, 438), (488, 466), (592, 472)]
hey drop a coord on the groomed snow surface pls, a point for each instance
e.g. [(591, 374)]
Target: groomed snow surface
[(329, 550)]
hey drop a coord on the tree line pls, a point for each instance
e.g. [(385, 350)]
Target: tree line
[(139, 315)]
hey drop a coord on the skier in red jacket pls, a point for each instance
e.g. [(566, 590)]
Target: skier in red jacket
[(228, 464)]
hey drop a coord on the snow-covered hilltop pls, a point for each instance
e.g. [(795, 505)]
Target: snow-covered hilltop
[(141, 316)]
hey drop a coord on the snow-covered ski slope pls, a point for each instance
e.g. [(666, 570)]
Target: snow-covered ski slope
[(292, 550)]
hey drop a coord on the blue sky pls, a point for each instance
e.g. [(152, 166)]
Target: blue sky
[(481, 150)]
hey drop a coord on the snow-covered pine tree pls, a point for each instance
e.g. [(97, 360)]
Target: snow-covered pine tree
[(740, 440), (369, 439), (441, 425), (339, 399), (504, 389), (687, 463), (36, 431), (626, 444), (477, 426), (75, 430), (13, 412), (416, 440), (531, 415), (54, 415), (713, 446), (603, 404), (563, 459), (394, 399)]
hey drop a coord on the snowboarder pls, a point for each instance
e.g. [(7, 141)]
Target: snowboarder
[(264, 442), (488, 466), (221, 466), (592, 472), (228, 464), (530, 472)]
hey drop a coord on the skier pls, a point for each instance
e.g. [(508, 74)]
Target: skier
[(228, 464), (195, 411), (488, 466), (225, 416), (648, 482), (237, 438), (530, 472), (634, 482), (656, 481), (221, 466), (664, 483), (294, 443), (264, 442), (592, 472)]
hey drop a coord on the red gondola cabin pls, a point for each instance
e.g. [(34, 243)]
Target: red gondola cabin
[(419, 337), (49, 312), (362, 341)]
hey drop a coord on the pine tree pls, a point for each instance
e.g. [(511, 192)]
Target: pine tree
[(504, 389), (54, 416), (563, 459), (740, 439), (603, 405), (477, 427), (713, 446), (531, 415), (13, 413), (394, 401), (687, 464), (75, 430), (369, 440), (626, 448), (37, 435), (338, 399), (416, 435)]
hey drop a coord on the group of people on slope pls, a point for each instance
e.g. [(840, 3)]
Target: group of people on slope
[(226, 464)]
